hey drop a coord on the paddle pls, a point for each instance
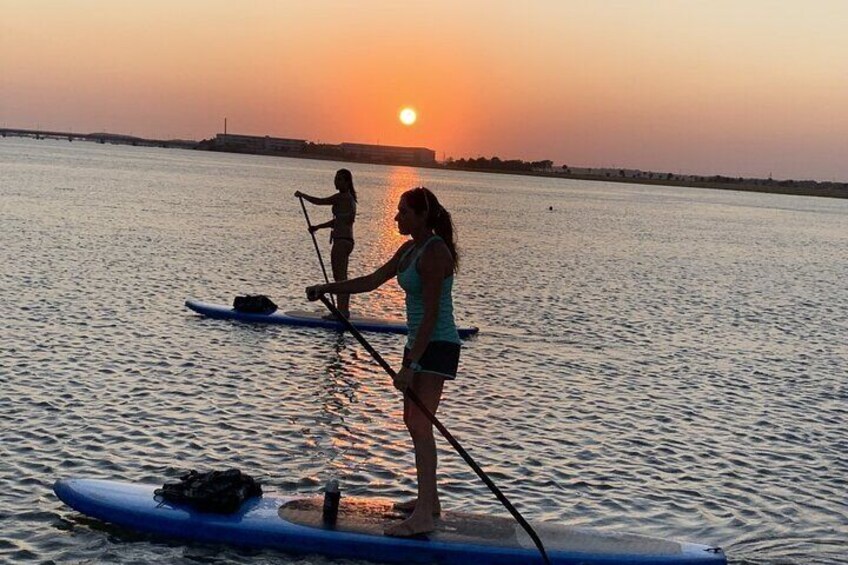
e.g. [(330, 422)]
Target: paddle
[(444, 431), (314, 241)]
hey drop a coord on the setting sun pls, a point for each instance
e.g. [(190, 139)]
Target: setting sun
[(408, 116)]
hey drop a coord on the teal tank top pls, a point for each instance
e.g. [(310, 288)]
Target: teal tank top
[(410, 281)]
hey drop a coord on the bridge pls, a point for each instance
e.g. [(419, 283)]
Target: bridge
[(97, 137)]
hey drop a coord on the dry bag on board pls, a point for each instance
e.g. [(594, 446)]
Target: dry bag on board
[(254, 304), (216, 491)]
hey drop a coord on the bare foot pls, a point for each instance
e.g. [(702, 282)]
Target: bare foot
[(409, 506), (415, 525)]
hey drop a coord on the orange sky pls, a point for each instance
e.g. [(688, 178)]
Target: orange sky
[(745, 87)]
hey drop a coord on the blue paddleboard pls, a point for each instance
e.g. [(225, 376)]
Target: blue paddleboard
[(294, 524), (307, 319)]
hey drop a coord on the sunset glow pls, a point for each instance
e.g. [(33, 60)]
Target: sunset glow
[(722, 87)]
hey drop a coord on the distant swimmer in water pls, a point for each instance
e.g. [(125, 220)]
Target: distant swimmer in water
[(424, 267), (341, 233)]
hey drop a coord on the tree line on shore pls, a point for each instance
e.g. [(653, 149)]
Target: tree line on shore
[(497, 164)]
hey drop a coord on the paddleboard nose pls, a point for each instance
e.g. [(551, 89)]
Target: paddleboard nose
[(63, 488)]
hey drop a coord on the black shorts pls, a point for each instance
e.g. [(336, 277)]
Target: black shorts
[(440, 357), (340, 240)]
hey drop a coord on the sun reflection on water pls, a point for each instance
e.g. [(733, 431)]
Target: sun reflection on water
[(400, 179), (359, 395), (387, 301)]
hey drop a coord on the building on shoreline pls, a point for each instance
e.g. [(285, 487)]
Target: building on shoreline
[(386, 154), (257, 144), (389, 154)]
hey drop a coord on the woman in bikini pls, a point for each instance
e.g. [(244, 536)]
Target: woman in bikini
[(424, 267), (341, 235)]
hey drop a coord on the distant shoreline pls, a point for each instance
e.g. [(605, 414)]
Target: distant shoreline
[(768, 186), (839, 191), (830, 190)]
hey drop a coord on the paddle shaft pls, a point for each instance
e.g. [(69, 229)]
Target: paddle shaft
[(442, 429), (314, 241)]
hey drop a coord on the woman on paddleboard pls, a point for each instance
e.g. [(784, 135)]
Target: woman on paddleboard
[(341, 235), (424, 267)]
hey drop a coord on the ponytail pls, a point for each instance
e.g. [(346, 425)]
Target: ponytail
[(422, 200), (444, 228)]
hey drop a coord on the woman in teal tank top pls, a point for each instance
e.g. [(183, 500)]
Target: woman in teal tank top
[(424, 267)]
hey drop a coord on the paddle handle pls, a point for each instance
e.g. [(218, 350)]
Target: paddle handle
[(314, 241), (442, 429)]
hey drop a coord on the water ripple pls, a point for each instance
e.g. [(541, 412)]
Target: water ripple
[(657, 360)]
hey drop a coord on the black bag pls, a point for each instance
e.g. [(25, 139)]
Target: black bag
[(216, 491), (254, 304)]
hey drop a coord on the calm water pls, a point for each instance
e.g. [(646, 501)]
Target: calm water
[(658, 360)]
